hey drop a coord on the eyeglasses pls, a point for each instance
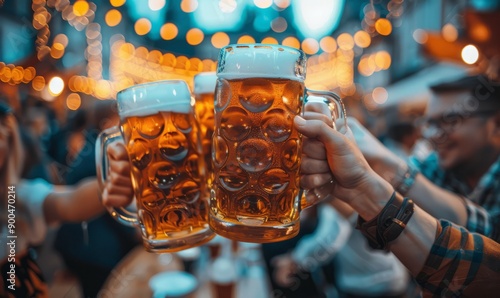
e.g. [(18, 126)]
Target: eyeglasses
[(449, 122)]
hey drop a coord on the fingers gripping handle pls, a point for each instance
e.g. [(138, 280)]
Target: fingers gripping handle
[(105, 138), (330, 104)]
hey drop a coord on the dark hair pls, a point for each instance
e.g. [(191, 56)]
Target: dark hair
[(485, 90), (398, 131), (4, 109)]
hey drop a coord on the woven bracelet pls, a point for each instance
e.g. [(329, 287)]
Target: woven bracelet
[(389, 223)]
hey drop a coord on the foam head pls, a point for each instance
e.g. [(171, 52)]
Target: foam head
[(205, 82), (151, 98), (261, 60)]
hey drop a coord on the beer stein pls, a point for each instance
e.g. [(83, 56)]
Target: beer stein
[(256, 195), (161, 135), (204, 88)]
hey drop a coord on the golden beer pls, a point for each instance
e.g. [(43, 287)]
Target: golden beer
[(162, 138), (256, 195)]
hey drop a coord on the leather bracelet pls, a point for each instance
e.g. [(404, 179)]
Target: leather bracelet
[(407, 180), (388, 224)]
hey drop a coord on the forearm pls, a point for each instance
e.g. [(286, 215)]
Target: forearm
[(437, 201), (79, 203), (419, 233)]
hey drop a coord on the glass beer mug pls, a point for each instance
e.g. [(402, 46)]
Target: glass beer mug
[(161, 135), (256, 195)]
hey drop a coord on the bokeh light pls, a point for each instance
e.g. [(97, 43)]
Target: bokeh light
[(117, 3), (269, 40), (362, 39), (56, 86), (263, 3), (188, 6), (142, 26), (155, 5), (449, 32), (310, 46), (383, 26), (279, 25), (292, 42), (380, 95), (470, 54), (80, 8), (194, 36), (246, 39), (113, 17), (220, 39), (169, 31), (328, 44), (345, 41), (73, 101)]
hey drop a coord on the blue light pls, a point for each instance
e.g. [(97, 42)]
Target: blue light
[(317, 18), (210, 18)]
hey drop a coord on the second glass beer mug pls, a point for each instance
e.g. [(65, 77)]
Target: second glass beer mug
[(161, 135), (256, 195)]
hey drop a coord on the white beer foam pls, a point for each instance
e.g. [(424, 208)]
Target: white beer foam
[(151, 98), (256, 60), (205, 82)]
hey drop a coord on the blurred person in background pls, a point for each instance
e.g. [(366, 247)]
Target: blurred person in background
[(458, 180), (36, 205), (90, 249)]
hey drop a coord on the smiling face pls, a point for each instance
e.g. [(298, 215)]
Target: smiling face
[(459, 130)]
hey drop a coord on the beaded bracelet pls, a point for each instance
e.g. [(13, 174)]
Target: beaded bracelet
[(389, 223)]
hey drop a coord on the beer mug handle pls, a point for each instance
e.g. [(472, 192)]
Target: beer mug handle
[(106, 137), (339, 122)]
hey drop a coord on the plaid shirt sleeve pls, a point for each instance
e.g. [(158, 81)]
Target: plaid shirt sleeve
[(478, 219), (461, 264)]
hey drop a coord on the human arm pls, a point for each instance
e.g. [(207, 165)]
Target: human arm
[(367, 193), (73, 203), (435, 200)]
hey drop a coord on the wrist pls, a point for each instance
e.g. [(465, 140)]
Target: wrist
[(404, 178), (372, 196)]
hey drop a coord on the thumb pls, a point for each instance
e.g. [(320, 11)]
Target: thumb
[(317, 129)]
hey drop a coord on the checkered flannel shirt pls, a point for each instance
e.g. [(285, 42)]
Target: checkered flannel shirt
[(483, 202)]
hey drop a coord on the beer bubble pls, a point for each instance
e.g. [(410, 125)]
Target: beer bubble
[(140, 154), (173, 146), (274, 181), (256, 95), (253, 209), (163, 175), (151, 126), (220, 151), (254, 155), (277, 125), (235, 123), (222, 94), (233, 178), (182, 122), (292, 97), (186, 191), (290, 155), (148, 224)]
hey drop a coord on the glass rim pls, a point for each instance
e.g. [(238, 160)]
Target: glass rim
[(261, 45), (147, 84)]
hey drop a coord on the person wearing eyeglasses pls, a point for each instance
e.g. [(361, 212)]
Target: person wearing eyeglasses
[(459, 179)]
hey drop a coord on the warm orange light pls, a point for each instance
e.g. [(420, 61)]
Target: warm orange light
[(188, 6), (310, 46), (113, 17), (328, 44), (62, 39), (246, 39), (420, 36), (480, 32), (117, 3), (57, 50), (38, 83), (126, 51), (169, 31), (383, 60), (291, 42), (345, 41), (80, 8), (194, 36), (73, 101), (142, 26), (449, 32), (102, 89), (220, 39), (362, 39), (29, 74), (383, 26), (269, 40)]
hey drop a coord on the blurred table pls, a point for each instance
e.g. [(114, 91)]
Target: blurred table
[(131, 276)]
